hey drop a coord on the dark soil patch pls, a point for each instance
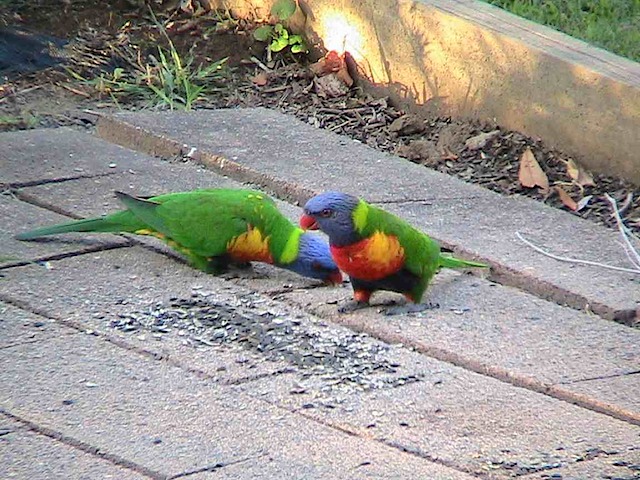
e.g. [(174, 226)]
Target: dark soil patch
[(119, 34)]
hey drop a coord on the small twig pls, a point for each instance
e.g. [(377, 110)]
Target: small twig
[(260, 64), (635, 271), (275, 89), (93, 112), (625, 233), (75, 90)]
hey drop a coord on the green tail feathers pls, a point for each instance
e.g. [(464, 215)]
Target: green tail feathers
[(118, 222), (448, 261)]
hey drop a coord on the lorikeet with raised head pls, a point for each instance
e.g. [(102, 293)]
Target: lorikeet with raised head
[(378, 250), (213, 228)]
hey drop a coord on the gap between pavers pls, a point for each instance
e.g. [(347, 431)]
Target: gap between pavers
[(169, 422), (295, 160), (19, 327), (497, 344), (503, 333), (166, 419), (485, 427), (30, 455), (55, 154), (18, 216), (479, 417)]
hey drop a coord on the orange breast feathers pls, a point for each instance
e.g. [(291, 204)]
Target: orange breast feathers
[(250, 246), (373, 258)]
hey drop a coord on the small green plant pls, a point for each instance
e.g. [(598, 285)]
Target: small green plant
[(167, 80), (277, 35), (18, 122)]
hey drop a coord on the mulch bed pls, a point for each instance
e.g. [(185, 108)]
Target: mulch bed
[(449, 145)]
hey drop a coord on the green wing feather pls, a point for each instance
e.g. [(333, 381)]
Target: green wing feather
[(204, 221), (423, 256), (421, 252), (199, 224), (123, 221)]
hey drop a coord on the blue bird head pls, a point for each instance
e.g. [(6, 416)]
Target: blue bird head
[(314, 260), (332, 212)]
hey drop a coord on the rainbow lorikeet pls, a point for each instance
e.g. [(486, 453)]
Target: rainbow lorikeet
[(213, 228), (378, 250)]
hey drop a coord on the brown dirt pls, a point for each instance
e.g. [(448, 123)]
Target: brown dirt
[(119, 34)]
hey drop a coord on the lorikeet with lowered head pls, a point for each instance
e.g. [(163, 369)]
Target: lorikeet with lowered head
[(213, 228), (378, 250)]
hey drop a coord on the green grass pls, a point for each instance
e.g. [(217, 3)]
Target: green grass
[(17, 122), (168, 80), (611, 24)]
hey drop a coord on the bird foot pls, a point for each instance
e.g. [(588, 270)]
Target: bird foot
[(410, 308), (351, 306)]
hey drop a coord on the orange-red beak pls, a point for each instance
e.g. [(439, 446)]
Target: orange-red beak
[(307, 222)]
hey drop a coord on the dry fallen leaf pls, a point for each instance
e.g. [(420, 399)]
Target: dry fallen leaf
[(343, 74), (579, 175), (566, 199), (330, 86), (260, 79), (330, 63), (333, 62), (531, 174)]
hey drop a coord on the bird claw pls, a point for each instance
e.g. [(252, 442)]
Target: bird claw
[(352, 306), (410, 308)]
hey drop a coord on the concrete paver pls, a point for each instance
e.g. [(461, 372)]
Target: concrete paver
[(605, 466), (162, 419), (20, 327), (170, 404), (95, 196), (477, 221), (18, 216), (623, 390), (97, 290), (493, 329), (54, 154), (462, 418), (490, 225), (496, 325), (483, 426), (29, 455)]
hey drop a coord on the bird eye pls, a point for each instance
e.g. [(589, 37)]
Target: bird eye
[(326, 213)]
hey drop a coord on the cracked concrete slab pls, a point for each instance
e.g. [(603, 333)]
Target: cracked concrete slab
[(26, 454), (59, 153), (165, 420), (297, 159), (18, 216), (18, 327)]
